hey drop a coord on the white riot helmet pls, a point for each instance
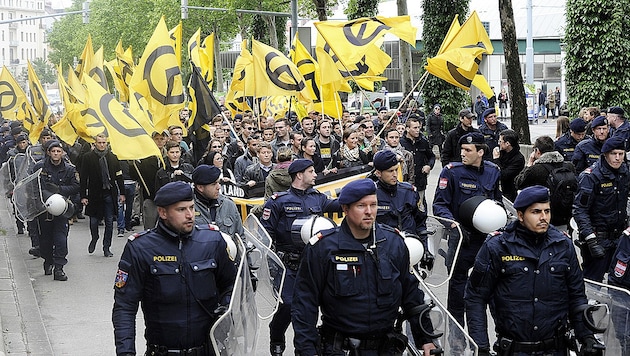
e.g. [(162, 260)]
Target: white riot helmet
[(56, 205), (314, 225), (485, 215), (416, 249), (231, 246)]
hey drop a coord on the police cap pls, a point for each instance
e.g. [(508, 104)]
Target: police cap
[(466, 113), (205, 174), (578, 125), (614, 143), (385, 160), (599, 121), (487, 112), (531, 195), (616, 110), (45, 132), (4, 129), (356, 190), (382, 108), (172, 193), (15, 124), (475, 138), (299, 165), (50, 144), (16, 130), (21, 137)]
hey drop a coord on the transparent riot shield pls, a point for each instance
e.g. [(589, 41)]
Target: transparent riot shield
[(236, 331), (270, 270), (27, 197), (509, 209), (616, 336), (444, 243), (19, 167), (5, 179)]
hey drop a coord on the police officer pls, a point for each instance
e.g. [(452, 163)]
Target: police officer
[(530, 271), (491, 129), (567, 142), (619, 276), (458, 182), (588, 150), (600, 209), (212, 207), (182, 274), (57, 177), (619, 124), (279, 215), (357, 275)]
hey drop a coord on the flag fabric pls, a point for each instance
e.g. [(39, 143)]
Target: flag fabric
[(114, 69), (176, 34), (14, 104), (86, 126), (64, 128), (157, 77), (40, 104), (242, 85), (125, 63), (128, 139), (193, 49), (203, 105), (206, 56), (351, 40), (86, 55), (275, 74), (95, 69)]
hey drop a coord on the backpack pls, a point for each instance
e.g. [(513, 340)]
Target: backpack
[(563, 185)]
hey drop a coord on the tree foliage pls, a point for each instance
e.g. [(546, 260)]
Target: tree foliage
[(437, 18), (597, 62), (361, 8)]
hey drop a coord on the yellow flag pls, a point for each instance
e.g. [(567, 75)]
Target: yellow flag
[(193, 49), (128, 139), (86, 55), (157, 77), (275, 74), (14, 104), (176, 36), (125, 63), (40, 104), (114, 69), (480, 82), (242, 85), (86, 126), (63, 128), (443, 68), (139, 108), (206, 54), (95, 69), (351, 40)]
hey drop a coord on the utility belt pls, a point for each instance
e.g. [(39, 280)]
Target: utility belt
[(505, 346), (385, 341), (157, 350), (608, 235), (291, 260)]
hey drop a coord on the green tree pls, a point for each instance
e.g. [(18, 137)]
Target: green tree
[(597, 62), (437, 19), (45, 72)]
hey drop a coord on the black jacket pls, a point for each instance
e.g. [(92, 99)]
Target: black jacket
[(450, 151)]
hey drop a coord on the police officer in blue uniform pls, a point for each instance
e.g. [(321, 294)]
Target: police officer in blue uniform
[(600, 207), (57, 177), (619, 126), (588, 150), (491, 129), (619, 276), (458, 182), (180, 272), (279, 214), (530, 272), (566, 143), (358, 276)]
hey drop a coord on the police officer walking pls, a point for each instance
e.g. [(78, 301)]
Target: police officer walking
[(600, 207), (458, 182), (57, 177), (182, 274), (530, 271), (588, 150), (279, 214), (358, 275)]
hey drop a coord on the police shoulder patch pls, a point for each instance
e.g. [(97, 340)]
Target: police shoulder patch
[(588, 170), (278, 195), (266, 214), (443, 183), (320, 235), (138, 234), (121, 278)]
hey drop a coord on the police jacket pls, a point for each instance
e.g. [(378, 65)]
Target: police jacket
[(600, 202), (586, 153), (565, 144), (358, 292), (172, 275), (226, 215), (619, 275), (281, 209), (623, 131), (398, 206), (451, 149), (491, 137), (458, 183), (535, 282), (422, 156), (61, 178)]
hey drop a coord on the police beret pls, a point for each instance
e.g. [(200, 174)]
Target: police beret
[(531, 195), (578, 125), (205, 174), (14, 124), (466, 113), (299, 165), (599, 121), (487, 112), (385, 160), (356, 190), (52, 143), (16, 130), (473, 137), (45, 132), (172, 193), (382, 108), (614, 143), (616, 110), (21, 137), (4, 129)]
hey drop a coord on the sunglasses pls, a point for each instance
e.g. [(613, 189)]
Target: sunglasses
[(216, 146)]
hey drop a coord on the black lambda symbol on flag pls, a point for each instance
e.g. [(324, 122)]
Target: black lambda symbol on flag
[(274, 75), (165, 98), (361, 39)]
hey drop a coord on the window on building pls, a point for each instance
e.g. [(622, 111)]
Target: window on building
[(23, 53)]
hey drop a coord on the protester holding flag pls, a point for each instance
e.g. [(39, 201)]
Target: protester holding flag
[(175, 169)]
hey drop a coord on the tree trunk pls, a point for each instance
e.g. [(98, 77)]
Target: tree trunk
[(406, 74), (320, 8), (218, 66), (520, 123), (270, 21)]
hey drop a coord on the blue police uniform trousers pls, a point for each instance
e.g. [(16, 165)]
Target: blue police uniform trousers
[(53, 242), (282, 318), (595, 268)]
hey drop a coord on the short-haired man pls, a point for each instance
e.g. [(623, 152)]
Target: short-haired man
[(588, 150), (566, 143), (451, 147), (491, 128), (308, 127), (257, 172), (282, 139), (327, 144), (510, 160), (248, 158), (619, 125)]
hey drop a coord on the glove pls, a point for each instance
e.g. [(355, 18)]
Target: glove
[(483, 352), (220, 310), (591, 347), (593, 247), (51, 187), (427, 260)]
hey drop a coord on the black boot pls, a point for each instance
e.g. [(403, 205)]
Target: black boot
[(60, 275), (48, 269), (107, 252), (92, 245), (34, 251), (276, 348)]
